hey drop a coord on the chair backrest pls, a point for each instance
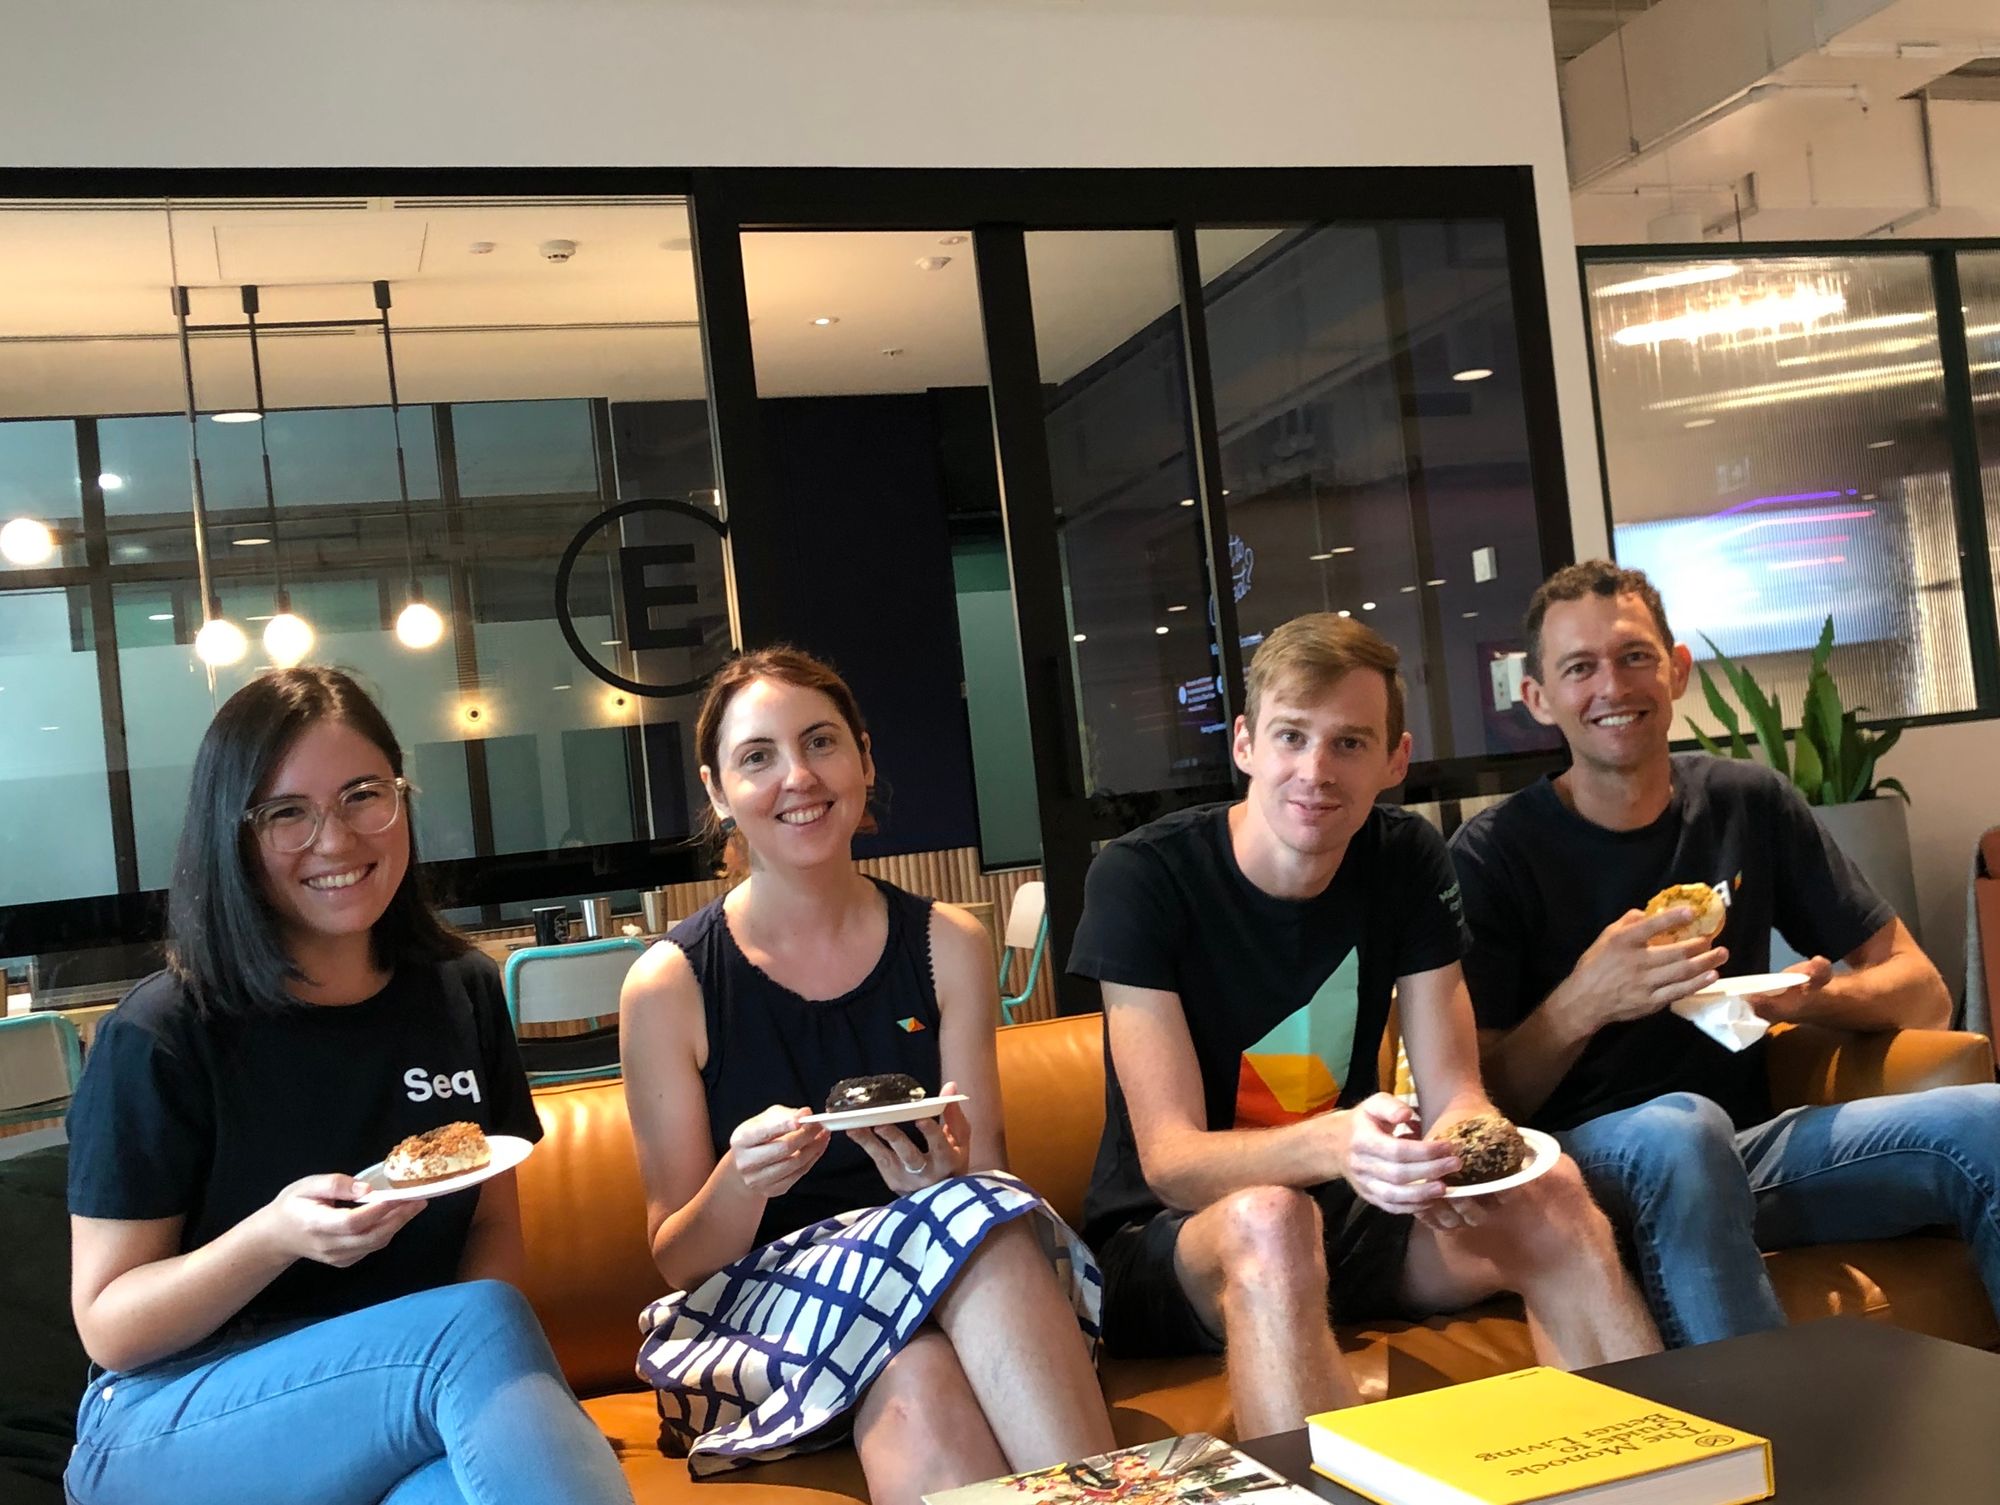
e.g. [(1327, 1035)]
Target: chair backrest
[(560, 984), (41, 1057), (1024, 919)]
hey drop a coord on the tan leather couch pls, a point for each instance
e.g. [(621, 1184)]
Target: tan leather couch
[(590, 1274)]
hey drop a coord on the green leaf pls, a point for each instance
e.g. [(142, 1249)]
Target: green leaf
[(1829, 729), (1765, 718), (1806, 768), (1827, 795), (1708, 744), (1823, 650), (1857, 767), (1895, 786), (1724, 713)]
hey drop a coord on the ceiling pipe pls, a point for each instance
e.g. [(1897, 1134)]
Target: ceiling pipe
[(1932, 201), (1742, 99)]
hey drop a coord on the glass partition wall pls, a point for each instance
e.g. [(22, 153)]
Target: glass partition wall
[(533, 464), (1780, 451)]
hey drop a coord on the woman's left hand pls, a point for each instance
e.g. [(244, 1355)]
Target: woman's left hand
[(906, 1166)]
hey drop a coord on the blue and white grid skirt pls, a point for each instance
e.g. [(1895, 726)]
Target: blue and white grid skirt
[(755, 1362)]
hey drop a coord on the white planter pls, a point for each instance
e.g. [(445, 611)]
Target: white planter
[(1875, 835)]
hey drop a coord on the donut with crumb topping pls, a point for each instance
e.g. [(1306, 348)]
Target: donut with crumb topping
[(1709, 907), (436, 1154)]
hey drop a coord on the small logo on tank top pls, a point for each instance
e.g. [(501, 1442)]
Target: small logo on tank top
[(911, 1025)]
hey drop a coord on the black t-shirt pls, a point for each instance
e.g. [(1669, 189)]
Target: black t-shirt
[(208, 1119), (1541, 882), (1285, 999)]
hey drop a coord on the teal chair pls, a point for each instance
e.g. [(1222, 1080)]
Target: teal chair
[(1027, 931), (564, 985), (41, 1057)]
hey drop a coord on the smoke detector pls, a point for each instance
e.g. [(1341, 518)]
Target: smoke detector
[(558, 250)]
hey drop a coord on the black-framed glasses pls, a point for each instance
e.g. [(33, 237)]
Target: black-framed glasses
[(291, 824)]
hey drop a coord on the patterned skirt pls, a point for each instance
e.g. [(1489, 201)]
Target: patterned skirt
[(758, 1360)]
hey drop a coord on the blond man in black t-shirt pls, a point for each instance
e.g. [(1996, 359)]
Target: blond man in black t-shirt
[(1251, 1175)]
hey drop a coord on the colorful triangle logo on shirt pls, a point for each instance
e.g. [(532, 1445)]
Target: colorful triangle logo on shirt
[(911, 1025), (1294, 1072)]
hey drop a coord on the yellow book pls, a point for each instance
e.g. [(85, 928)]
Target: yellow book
[(1537, 1435)]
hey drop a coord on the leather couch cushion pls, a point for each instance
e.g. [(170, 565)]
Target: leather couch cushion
[(1926, 1283), (583, 1218)]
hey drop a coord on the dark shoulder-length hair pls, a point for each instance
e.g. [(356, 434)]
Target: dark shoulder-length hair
[(224, 941)]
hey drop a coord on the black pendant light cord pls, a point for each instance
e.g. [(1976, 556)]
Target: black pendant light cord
[(402, 468), (210, 607), (250, 306)]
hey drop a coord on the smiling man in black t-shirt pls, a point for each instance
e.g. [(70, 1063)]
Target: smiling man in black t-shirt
[(1574, 986), (1251, 1173)]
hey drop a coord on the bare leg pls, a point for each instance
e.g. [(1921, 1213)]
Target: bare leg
[(1254, 1264), (1023, 1354), (919, 1427), (1548, 1241)]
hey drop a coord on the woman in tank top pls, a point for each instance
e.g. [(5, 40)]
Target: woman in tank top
[(893, 1283)]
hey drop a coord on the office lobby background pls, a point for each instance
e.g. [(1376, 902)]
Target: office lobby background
[(440, 84)]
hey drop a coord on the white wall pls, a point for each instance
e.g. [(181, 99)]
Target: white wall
[(1048, 83), (1954, 796)]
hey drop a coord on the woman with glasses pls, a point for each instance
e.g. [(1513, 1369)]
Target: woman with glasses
[(893, 1283), (265, 1330)]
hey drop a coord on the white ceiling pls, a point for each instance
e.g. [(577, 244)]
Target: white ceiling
[(86, 322)]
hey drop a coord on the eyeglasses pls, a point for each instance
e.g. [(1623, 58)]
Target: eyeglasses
[(291, 824)]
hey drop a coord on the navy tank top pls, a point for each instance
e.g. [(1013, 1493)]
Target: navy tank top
[(768, 1045)]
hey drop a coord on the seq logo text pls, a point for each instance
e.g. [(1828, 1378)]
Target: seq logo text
[(422, 1085)]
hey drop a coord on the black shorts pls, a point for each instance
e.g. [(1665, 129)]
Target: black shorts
[(1147, 1314)]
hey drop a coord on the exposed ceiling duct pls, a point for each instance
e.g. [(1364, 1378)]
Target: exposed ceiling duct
[(1787, 119)]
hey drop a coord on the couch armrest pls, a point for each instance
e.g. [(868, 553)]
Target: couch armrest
[(1810, 1064)]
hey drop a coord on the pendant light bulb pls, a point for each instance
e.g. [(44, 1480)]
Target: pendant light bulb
[(419, 626), (26, 540), (220, 643), (287, 639)]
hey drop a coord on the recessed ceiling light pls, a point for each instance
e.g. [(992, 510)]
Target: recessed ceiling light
[(1177, 608), (1433, 583), (1316, 558), (1225, 491), (1078, 638), (1345, 612), (1699, 423), (612, 643), (1472, 373), (132, 551), (1160, 631), (1409, 590), (110, 482), (1187, 501), (1346, 548), (238, 417), (161, 616), (558, 687), (825, 319), (265, 618), (1468, 615), (1882, 444), (1367, 605), (51, 728), (249, 543)]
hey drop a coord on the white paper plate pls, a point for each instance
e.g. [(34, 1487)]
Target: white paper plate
[(1545, 1152), (508, 1152), (1747, 987), (887, 1113)]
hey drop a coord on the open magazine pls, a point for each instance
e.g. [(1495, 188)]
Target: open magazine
[(1194, 1470)]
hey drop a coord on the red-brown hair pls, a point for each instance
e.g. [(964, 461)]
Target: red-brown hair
[(789, 666)]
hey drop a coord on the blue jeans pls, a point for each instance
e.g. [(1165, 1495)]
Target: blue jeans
[(1696, 1200), (447, 1397)]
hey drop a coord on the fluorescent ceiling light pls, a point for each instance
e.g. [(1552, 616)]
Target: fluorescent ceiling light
[(1472, 373), (1801, 305), (1686, 276), (249, 543), (240, 417), (110, 482)]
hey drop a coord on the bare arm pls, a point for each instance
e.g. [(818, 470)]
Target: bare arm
[(1436, 1014), (969, 1005), (1893, 985), (701, 1212), (494, 1249), (135, 1299), (1621, 977)]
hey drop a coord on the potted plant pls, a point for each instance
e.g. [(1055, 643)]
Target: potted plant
[(1831, 760)]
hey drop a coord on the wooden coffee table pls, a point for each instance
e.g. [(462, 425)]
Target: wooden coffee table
[(1858, 1413)]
